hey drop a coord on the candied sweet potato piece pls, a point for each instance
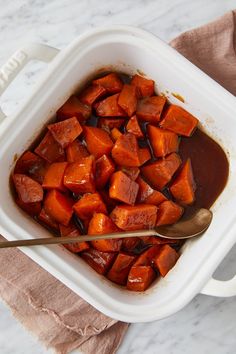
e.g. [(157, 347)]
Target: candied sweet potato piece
[(33, 209), (99, 261), (155, 240), (137, 217), (47, 220), (130, 243), (49, 149), (120, 269), (160, 172), (98, 141), (144, 155), (163, 141), (65, 132), (115, 134), (146, 258), (145, 87), (91, 94), (88, 205), (110, 203), (28, 190), (179, 121), (109, 107), (122, 188), (110, 123), (140, 277), (101, 224), (74, 108), (131, 172), (134, 127), (76, 151), (54, 176), (79, 176), (125, 151), (104, 169), (31, 165), (149, 109), (183, 187), (128, 99), (111, 82), (58, 206), (148, 195), (166, 259), (168, 213), (72, 231)]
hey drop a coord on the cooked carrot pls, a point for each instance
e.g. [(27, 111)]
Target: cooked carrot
[(163, 141), (110, 123), (98, 141), (144, 155), (76, 151), (65, 132), (72, 231), (58, 206), (179, 121), (115, 134), (146, 258), (74, 108), (145, 87), (47, 220), (137, 217), (140, 278), (91, 94), (131, 172), (149, 109), (109, 107), (33, 209), (168, 213), (148, 195), (88, 205), (31, 165), (122, 188), (111, 82), (101, 224), (128, 99), (160, 172), (99, 261), (120, 269), (183, 187), (49, 149), (28, 190), (125, 151), (79, 176), (54, 176), (166, 259), (134, 127), (104, 168)]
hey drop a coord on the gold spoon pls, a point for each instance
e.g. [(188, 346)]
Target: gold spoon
[(192, 227)]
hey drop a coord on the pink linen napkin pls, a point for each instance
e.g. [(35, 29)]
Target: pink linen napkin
[(56, 315)]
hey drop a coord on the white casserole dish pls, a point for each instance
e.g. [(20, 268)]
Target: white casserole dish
[(126, 49)]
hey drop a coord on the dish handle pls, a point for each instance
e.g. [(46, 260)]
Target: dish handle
[(220, 288), (19, 59)]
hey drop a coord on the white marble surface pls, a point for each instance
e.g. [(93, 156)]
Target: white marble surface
[(206, 324)]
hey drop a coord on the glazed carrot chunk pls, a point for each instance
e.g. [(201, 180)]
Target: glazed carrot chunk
[(160, 172), (166, 259), (109, 107), (140, 278), (99, 261), (144, 155), (58, 206), (115, 134), (122, 188), (49, 149), (146, 258), (88, 205), (134, 127), (110, 123), (104, 169), (128, 99), (148, 195), (79, 176), (137, 217), (33, 209), (28, 190), (168, 213), (179, 121), (101, 224), (111, 82), (125, 151), (145, 87), (72, 231), (131, 172), (92, 94), (47, 220), (65, 132), (98, 141), (74, 108), (76, 151), (163, 141), (120, 269), (183, 187), (149, 109), (54, 176)]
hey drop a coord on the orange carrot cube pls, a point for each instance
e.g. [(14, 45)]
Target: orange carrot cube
[(122, 188), (49, 149), (168, 213), (99, 261), (65, 132), (76, 151), (149, 109), (98, 141), (140, 278), (72, 231), (145, 87), (88, 205), (134, 127), (163, 141), (120, 269), (125, 151), (109, 107), (54, 176), (128, 99), (104, 169), (91, 94), (148, 195), (111, 82), (58, 206), (74, 108), (166, 259), (28, 190)]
